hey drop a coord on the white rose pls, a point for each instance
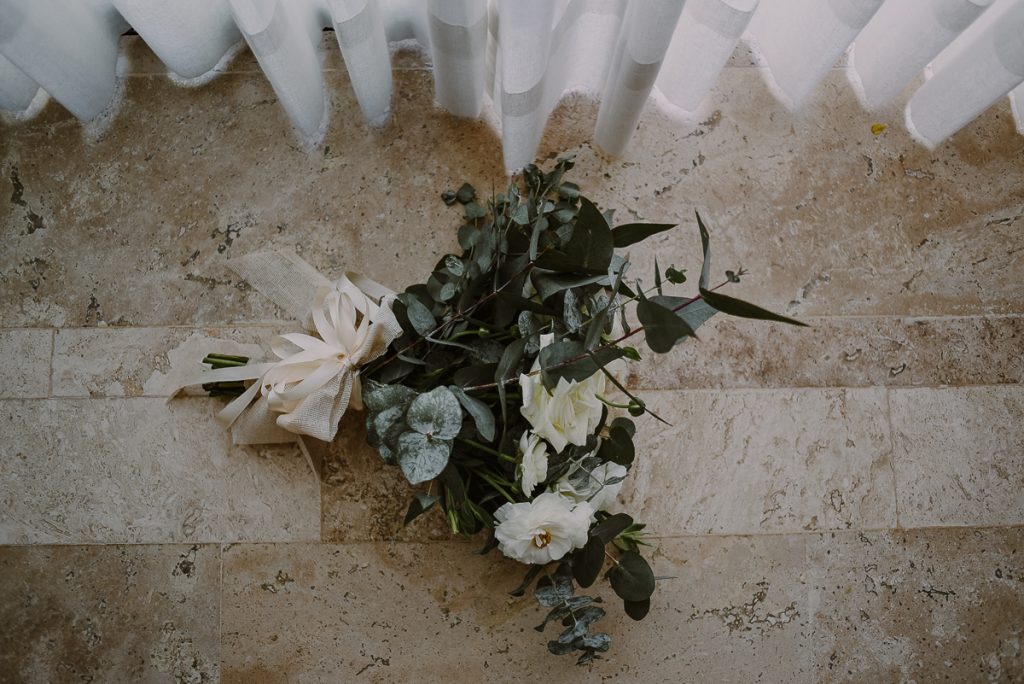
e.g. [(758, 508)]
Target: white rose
[(542, 530), (534, 467), (578, 486), (568, 415)]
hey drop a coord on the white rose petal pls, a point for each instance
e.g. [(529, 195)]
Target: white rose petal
[(534, 468), (568, 415), (576, 485), (542, 530)]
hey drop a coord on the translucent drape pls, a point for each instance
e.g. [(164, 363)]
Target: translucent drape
[(523, 56)]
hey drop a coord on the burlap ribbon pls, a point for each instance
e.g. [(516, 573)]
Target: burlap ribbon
[(316, 377)]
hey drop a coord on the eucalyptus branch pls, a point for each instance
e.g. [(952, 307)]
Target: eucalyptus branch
[(580, 357)]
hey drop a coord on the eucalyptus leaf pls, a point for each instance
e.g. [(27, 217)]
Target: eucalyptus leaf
[(568, 359), (465, 194), (588, 561), (742, 309), (618, 447), (436, 414), (419, 315), (479, 411), (637, 609), (631, 233), (695, 312), (507, 367), (611, 527), (422, 457), (552, 593), (631, 577), (420, 504), (662, 328), (597, 642)]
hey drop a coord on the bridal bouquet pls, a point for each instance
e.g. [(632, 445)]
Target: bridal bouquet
[(494, 385)]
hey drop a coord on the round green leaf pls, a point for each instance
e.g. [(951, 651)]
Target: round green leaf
[(637, 609), (588, 561), (436, 413), (421, 457), (632, 578)]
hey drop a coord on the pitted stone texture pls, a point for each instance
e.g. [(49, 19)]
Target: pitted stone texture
[(922, 606), (755, 461), (152, 362), (828, 218), (109, 614), (137, 227), (840, 352), (25, 363), (362, 497), (141, 471), (959, 456), (438, 613)]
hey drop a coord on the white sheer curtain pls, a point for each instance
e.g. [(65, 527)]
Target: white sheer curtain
[(522, 56)]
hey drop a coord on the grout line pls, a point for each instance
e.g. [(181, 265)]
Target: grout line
[(220, 611), (53, 346), (892, 457), (264, 324), (693, 390), (473, 543)]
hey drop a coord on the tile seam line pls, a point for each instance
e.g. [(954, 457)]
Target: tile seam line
[(266, 324), (694, 390), (225, 545)]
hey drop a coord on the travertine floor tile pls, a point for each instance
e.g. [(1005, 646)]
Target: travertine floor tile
[(735, 611), (749, 461), (141, 470), (109, 614), (132, 362), (919, 606), (363, 498), (828, 218), (841, 352), (959, 455), (25, 363), (135, 229)]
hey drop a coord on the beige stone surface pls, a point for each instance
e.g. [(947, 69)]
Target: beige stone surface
[(144, 471), (151, 362), (959, 456), (109, 614), (921, 606), (750, 461), (736, 610), (868, 351), (363, 498), (909, 264), (25, 365)]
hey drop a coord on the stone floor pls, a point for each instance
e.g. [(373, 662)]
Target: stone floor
[(839, 503)]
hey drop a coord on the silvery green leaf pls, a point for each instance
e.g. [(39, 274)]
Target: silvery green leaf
[(421, 457), (571, 312), (455, 265), (419, 315), (598, 642), (386, 426), (553, 594), (481, 413), (436, 413), (377, 397)]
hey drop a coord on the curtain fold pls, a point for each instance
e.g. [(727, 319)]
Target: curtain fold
[(523, 56)]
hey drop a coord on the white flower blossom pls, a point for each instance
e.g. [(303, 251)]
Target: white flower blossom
[(534, 467), (542, 530), (578, 486), (568, 415)]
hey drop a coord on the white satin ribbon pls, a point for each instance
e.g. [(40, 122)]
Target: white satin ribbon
[(316, 377)]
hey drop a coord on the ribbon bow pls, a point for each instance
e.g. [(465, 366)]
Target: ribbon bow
[(316, 377)]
